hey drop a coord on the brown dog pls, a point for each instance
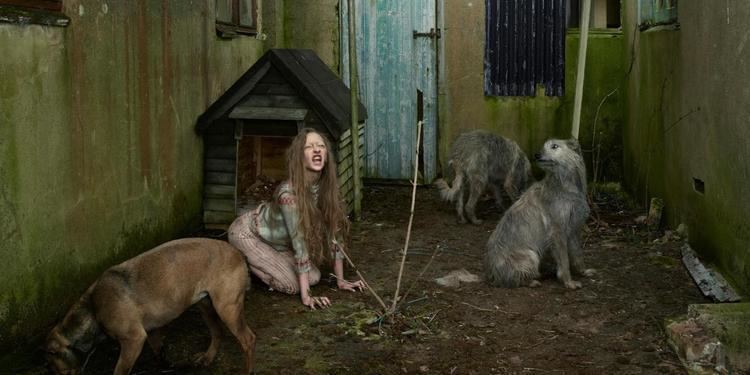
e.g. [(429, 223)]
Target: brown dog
[(150, 290)]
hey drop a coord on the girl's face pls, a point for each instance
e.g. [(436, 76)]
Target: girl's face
[(315, 152)]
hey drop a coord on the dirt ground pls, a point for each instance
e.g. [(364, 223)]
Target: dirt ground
[(613, 325)]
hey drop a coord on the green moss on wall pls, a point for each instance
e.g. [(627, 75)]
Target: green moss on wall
[(314, 25), (531, 120), (687, 123), (98, 156)]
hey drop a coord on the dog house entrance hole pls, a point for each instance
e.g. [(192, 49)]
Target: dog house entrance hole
[(261, 166)]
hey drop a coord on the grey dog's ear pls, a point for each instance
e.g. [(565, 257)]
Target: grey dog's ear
[(574, 145)]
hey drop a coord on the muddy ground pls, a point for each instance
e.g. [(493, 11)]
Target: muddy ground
[(613, 325)]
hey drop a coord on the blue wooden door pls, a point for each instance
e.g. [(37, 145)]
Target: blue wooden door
[(397, 69)]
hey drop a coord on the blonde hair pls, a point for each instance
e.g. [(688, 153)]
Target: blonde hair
[(322, 222)]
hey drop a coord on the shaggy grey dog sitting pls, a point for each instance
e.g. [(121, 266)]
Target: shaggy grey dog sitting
[(482, 160), (549, 215)]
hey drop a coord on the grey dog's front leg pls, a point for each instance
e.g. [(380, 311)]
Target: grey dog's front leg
[(577, 266), (560, 253)]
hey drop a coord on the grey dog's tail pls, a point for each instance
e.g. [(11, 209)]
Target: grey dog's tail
[(447, 192)]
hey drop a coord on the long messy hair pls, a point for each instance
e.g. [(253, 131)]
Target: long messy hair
[(324, 221)]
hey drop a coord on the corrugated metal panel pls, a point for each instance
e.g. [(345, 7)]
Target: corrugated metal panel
[(393, 66), (525, 46)]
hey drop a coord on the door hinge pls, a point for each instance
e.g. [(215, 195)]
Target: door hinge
[(434, 34)]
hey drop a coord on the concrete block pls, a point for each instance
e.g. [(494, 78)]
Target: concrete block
[(713, 338)]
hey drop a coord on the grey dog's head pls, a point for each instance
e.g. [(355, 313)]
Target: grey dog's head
[(558, 153)]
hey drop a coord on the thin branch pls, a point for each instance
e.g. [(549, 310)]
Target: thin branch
[(477, 307), (423, 271), (369, 288), (411, 216), (596, 149)]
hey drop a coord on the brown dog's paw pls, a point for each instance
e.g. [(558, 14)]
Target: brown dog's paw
[(535, 284), (203, 359)]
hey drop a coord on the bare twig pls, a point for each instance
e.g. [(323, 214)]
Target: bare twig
[(477, 307), (411, 216), (423, 271), (86, 362), (596, 149), (369, 288)]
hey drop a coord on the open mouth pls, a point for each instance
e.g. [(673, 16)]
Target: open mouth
[(317, 159), (544, 162)]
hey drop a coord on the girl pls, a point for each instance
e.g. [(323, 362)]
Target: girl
[(287, 239)]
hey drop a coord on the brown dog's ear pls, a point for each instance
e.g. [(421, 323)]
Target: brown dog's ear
[(55, 342), (87, 335)]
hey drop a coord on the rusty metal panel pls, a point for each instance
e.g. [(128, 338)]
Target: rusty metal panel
[(525, 46)]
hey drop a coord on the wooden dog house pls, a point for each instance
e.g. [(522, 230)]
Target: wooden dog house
[(246, 131)]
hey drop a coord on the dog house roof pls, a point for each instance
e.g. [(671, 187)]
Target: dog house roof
[(307, 74)]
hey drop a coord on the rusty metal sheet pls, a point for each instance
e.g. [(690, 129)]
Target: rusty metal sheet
[(711, 283)]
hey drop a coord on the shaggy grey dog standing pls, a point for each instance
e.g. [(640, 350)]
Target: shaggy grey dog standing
[(482, 158), (549, 214)]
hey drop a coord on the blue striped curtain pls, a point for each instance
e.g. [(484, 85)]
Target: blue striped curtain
[(525, 46)]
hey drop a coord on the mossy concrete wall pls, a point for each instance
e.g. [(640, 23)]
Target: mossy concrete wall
[(530, 120), (687, 122), (98, 157)]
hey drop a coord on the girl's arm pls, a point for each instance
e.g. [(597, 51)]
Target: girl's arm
[(338, 270), (307, 299)]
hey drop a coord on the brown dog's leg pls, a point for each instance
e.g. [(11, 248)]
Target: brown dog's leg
[(214, 327), (231, 310), (234, 317), (155, 340), (130, 349)]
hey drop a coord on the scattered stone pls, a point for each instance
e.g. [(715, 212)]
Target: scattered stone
[(655, 211), (455, 278)]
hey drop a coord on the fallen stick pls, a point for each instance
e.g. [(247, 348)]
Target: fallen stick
[(411, 217), (369, 288)]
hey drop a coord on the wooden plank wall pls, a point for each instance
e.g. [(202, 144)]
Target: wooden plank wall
[(345, 168), (220, 180)]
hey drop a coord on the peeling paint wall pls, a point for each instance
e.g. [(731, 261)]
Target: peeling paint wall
[(687, 120), (529, 121), (98, 157)]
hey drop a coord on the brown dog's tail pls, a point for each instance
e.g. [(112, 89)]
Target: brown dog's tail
[(447, 192)]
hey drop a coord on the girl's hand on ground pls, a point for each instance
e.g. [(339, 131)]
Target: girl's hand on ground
[(351, 286), (312, 302)]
